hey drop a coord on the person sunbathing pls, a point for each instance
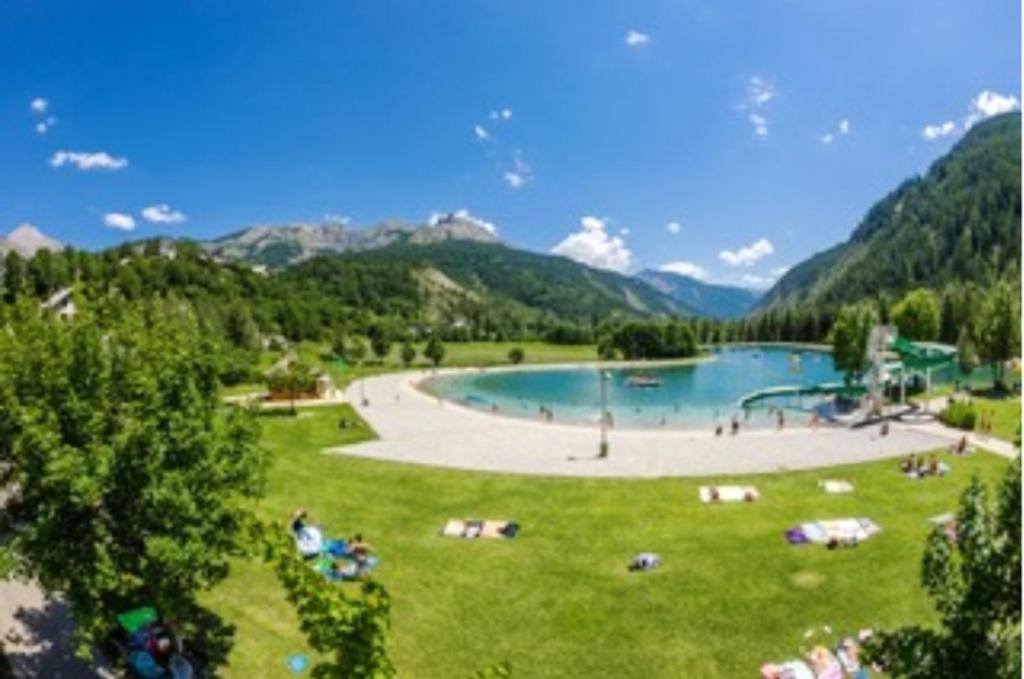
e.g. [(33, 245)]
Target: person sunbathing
[(907, 464), (933, 465), (299, 521), (358, 547)]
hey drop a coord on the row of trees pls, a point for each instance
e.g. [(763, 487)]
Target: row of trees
[(989, 331)]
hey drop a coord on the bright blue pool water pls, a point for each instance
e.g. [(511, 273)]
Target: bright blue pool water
[(695, 395)]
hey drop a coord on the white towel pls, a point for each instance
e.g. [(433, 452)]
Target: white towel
[(728, 494), (835, 486)]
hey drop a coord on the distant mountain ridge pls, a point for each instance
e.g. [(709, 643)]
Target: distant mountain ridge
[(27, 240), (704, 299), (961, 221), (551, 284), (284, 245)]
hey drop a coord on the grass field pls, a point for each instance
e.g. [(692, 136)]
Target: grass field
[(458, 354), (1005, 414), (558, 601)]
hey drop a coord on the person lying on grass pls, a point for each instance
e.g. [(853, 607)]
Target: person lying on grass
[(359, 548)]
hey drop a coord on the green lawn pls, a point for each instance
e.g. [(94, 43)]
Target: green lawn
[(1005, 414), (557, 601)]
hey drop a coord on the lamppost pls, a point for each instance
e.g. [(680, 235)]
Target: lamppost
[(604, 376)]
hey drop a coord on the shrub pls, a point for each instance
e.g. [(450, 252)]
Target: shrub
[(959, 414)]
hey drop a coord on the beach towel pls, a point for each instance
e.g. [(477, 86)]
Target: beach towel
[(835, 486), (824, 664), (941, 470), (791, 669), (713, 494), (645, 561), (309, 540), (842, 531), (457, 528), (942, 519)]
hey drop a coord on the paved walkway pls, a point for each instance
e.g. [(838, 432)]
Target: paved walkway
[(36, 635), (417, 428)]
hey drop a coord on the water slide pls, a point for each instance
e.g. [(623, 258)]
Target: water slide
[(823, 389), (919, 356)]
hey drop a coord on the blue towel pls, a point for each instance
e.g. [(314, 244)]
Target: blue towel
[(298, 663), (336, 548)]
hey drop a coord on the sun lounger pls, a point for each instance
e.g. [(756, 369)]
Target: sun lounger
[(457, 528), (836, 487), (714, 494)]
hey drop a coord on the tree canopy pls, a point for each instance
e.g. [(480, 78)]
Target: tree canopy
[(128, 476)]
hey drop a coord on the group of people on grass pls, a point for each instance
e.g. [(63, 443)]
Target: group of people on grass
[(917, 466), (337, 559)]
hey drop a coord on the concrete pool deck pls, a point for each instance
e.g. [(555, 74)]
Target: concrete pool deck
[(417, 428)]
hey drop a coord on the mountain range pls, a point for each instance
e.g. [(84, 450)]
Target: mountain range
[(705, 299), (278, 246), (959, 222)]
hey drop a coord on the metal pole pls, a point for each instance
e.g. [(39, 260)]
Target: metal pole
[(602, 450)]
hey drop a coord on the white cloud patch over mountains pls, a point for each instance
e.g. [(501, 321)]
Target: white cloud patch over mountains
[(749, 255), (162, 214), (985, 105), (592, 245), (686, 269), (119, 220)]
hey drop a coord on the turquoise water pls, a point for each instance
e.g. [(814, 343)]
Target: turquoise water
[(696, 395)]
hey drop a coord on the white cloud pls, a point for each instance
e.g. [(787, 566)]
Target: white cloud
[(520, 174), (779, 271), (624, 232), (592, 245), (988, 104), (747, 256), (163, 214), (827, 138), (945, 129), (100, 160), (118, 220), (760, 124), (463, 214), (637, 39), (515, 180), (673, 227), (759, 91), (686, 269), (501, 114), (844, 126), (39, 105), (481, 133)]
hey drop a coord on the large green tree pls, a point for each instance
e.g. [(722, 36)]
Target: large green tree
[(999, 331), (975, 582), (918, 315), (849, 339), (126, 477)]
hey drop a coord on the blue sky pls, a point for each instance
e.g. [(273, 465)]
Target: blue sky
[(623, 118)]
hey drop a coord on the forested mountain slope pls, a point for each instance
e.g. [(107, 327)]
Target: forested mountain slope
[(959, 222)]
